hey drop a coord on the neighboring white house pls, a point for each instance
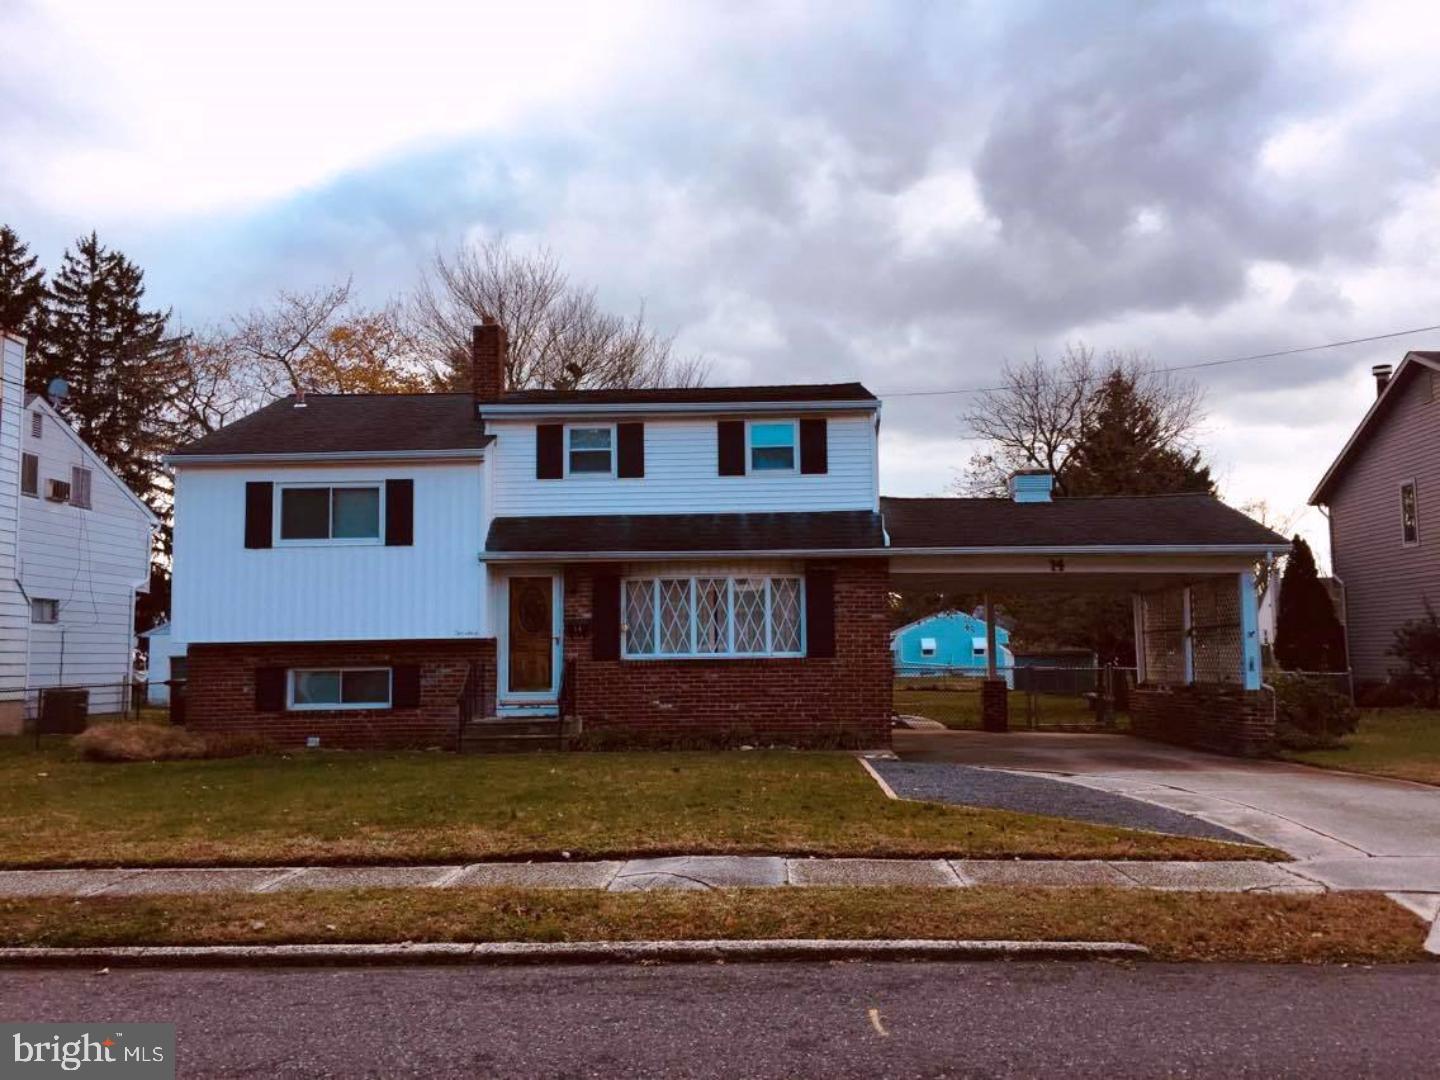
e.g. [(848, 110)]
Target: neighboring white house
[(74, 550), (166, 661)]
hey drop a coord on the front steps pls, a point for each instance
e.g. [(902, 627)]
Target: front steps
[(512, 735)]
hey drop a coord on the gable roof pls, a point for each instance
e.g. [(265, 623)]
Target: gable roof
[(1119, 521), (97, 463), (360, 424), (1410, 365), (697, 395)]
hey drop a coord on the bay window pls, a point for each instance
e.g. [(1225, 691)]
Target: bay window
[(707, 616)]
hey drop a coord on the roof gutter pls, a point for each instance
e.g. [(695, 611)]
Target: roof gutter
[(326, 457), (711, 408), (880, 552)]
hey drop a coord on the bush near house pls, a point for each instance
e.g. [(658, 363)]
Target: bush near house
[(125, 741), (1417, 644), (1309, 714)]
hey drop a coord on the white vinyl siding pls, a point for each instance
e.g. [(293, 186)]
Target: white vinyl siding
[(90, 555), (682, 474), (329, 591), (14, 611)]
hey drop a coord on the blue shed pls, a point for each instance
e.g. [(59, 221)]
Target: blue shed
[(948, 640)]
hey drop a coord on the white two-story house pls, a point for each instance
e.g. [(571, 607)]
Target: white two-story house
[(663, 565), (75, 545)]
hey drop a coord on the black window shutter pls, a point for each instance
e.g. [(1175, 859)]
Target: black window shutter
[(814, 446), (405, 686), (631, 440), (549, 451), (399, 513), (819, 612), (605, 618), (730, 447), (259, 512), (270, 689)]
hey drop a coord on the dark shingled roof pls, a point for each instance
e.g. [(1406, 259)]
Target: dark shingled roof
[(821, 531), (1129, 521), (342, 423), (703, 395)]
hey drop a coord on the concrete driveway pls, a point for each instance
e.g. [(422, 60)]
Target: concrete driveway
[(1347, 832)]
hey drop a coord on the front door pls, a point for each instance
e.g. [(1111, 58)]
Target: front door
[(530, 665)]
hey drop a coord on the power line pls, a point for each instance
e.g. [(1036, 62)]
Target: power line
[(1191, 367)]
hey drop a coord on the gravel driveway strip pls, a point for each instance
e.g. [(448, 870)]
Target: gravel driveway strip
[(963, 785)]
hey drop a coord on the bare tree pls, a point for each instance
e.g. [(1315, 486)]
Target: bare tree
[(1043, 413), (317, 340), (559, 336)]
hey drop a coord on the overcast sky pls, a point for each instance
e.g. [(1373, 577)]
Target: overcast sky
[(908, 194)]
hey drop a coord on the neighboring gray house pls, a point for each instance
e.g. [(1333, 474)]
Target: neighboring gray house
[(1382, 494)]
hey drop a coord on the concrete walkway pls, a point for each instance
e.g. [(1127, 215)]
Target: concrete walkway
[(687, 872), (1345, 831)]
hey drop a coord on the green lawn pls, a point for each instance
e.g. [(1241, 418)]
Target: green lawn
[(1402, 743), (956, 704), (328, 807), (1339, 927)]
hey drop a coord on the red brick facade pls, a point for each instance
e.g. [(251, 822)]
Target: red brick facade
[(1225, 719), (844, 701), (220, 692)]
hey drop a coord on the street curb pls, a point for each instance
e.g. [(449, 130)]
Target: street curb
[(574, 952)]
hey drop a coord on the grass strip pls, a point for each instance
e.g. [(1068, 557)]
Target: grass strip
[(326, 808), (1337, 927)]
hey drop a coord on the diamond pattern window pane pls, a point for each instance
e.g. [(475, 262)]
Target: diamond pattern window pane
[(712, 615), (639, 617), (675, 615), (749, 615), (785, 615)]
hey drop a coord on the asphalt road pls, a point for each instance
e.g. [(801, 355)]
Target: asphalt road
[(795, 1020)]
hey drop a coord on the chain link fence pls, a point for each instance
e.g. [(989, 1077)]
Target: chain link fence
[(1042, 697)]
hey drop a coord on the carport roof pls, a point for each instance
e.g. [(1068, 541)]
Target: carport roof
[(1107, 522)]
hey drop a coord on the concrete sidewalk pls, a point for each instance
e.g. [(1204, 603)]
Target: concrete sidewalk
[(687, 872)]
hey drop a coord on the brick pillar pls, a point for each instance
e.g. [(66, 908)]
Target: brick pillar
[(994, 705), (488, 350)]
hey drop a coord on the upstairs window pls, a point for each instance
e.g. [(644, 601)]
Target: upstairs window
[(590, 450), (1409, 515), (44, 611), (772, 446), (927, 646), (29, 475), (80, 487), (344, 514)]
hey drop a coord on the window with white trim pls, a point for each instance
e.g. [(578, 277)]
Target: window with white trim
[(1409, 514), (771, 445), (590, 450), (80, 487), (341, 514), (29, 474), (707, 616), (339, 688), (928, 646), (44, 611)]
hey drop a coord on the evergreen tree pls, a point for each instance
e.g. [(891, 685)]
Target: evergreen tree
[(22, 288), (1308, 636), (114, 354), (1124, 447)]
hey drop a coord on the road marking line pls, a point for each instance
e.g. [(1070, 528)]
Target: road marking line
[(875, 1023)]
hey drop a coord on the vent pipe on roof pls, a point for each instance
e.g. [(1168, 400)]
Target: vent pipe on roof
[(1031, 486), (1382, 373), (299, 397)]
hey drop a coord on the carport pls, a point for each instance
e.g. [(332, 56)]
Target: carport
[(1187, 562)]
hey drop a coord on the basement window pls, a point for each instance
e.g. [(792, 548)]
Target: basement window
[(339, 688)]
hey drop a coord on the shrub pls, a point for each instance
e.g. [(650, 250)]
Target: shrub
[(1310, 714), (1417, 643), (128, 741), (1386, 695), (138, 742)]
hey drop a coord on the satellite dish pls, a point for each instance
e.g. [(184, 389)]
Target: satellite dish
[(58, 390)]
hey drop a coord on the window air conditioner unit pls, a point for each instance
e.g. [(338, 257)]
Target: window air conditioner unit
[(58, 491)]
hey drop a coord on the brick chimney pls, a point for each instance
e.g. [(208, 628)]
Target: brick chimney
[(1382, 373), (487, 360)]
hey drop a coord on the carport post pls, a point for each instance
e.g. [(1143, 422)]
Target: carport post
[(1137, 610), (994, 692), (1250, 667), (989, 639)]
